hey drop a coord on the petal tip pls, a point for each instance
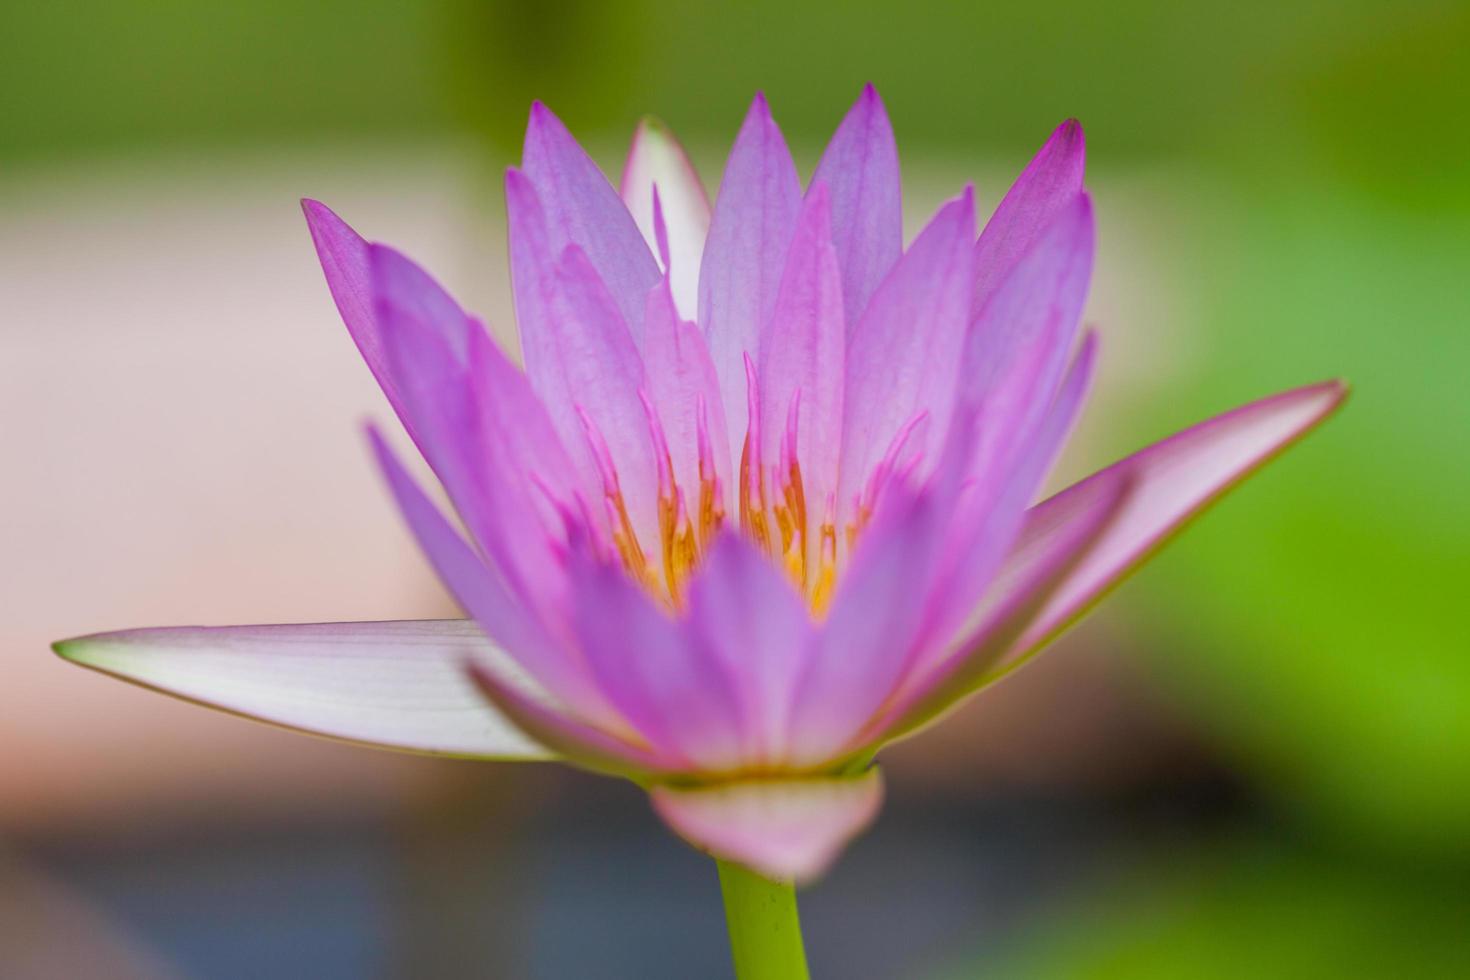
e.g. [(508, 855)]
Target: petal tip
[(649, 123), (328, 230), (1069, 139), (1339, 388), (1332, 395), (73, 649), (760, 108)]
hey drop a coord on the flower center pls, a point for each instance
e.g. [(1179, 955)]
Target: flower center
[(774, 510)]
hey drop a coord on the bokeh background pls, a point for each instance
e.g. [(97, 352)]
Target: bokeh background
[(1254, 762)]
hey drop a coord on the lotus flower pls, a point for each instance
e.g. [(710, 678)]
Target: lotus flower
[(761, 500)]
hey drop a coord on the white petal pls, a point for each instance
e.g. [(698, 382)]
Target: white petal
[(398, 685), (656, 158)]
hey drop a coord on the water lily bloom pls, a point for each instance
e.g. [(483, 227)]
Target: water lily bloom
[(762, 499)]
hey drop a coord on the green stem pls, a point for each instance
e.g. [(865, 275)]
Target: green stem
[(765, 932)]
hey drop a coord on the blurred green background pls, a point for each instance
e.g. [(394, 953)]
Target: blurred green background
[(1293, 177)]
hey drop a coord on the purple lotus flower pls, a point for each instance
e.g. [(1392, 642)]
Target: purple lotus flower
[(760, 502)]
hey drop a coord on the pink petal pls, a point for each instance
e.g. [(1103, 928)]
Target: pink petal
[(743, 613), (1049, 184), (1017, 349), (677, 695), (531, 483), (860, 168), (344, 258), (581, 359), (1173, 481), (903, 356), (990, 518), (801, 352), (683, 384), (483, 593), (862, 649), (582, 209), (603, 381), (754, 221), (787, 829), (395, 685), (657, 160)]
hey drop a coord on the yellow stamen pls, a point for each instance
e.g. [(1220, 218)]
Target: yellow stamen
[(826, 570), (753, 512)]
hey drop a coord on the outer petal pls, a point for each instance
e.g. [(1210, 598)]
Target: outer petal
[(860, 167), (1173, 481), (801, 354), (345, 261), (683, 385), (754, 221), (988, 522), (785, 829), (657, 160), (1077, 545), (1049, 184), (582, 209), (397, 685), (745, 614), (678, 696), (902, 359)]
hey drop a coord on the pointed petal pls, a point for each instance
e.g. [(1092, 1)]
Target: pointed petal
[(397, 685), (902, 358), (346, 262), (743, 613), (682, 383), (678, 696), (1048, 185), (602, 377), (1173, 481), (988, 522), (530, 482), (657, 160), (782, 828), (580, 357), (1017, 349), (582, 209), (860, 168), (801, 351), (754, 221)]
